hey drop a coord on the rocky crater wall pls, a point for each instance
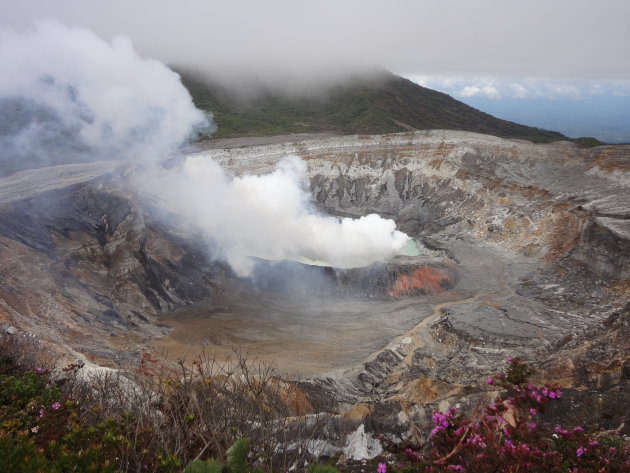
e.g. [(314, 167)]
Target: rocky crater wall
[(529, 256), (544, 201)]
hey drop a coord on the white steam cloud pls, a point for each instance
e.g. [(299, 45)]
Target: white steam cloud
[(271, 216), (68, 96)]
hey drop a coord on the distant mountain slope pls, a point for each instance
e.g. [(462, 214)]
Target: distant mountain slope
[(383, 103)]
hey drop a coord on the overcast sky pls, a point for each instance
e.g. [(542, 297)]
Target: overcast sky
[(571, 39), (493, 49)]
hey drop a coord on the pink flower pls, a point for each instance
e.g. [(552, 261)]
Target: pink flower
[(55, 405), (476, 440), (490, 381), (509, 359), (413, 454), (382, 468), (533, 411), (580, 451), (41, 413), (456, 468)]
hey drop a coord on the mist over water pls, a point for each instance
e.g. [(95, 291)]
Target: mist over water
[(270, 216)]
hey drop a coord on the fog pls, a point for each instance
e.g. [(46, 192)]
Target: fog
[(537, 38)]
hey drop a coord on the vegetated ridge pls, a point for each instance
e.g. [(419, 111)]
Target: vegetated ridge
[(378, 103)]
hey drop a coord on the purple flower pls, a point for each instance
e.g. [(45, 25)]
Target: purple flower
[(509, 359), (42, 412), (456, 468), (476, 440), (382, 468), (413, 454), (580, 451), (533, 411), (55, 405), (560, 430), (490, 381), (593, 443)]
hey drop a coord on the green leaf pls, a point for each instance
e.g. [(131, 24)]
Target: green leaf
[(237, 456), (208, 466)]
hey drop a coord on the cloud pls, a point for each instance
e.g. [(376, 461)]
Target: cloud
[(487, 91), (497, 88), (68, 96), (537, 38)]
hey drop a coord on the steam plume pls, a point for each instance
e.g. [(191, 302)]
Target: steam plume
[(271, 216), (68, 96)]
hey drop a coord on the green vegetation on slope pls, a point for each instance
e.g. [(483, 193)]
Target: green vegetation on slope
[(382, 103)]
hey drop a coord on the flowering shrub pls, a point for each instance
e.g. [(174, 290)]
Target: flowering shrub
[(157, 421), (505, 436)]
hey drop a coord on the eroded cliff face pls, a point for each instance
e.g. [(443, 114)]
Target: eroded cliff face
[(538, 233), (526, 253), (83, 265), (533, 199)]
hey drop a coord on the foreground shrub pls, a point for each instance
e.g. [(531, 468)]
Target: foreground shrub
[(158, 421), (232, 418), (506, 436)]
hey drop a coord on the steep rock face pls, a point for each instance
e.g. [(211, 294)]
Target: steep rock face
[(82, 257), (535, 199)]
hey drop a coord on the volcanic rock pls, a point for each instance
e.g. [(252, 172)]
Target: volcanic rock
[(526, 252)]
